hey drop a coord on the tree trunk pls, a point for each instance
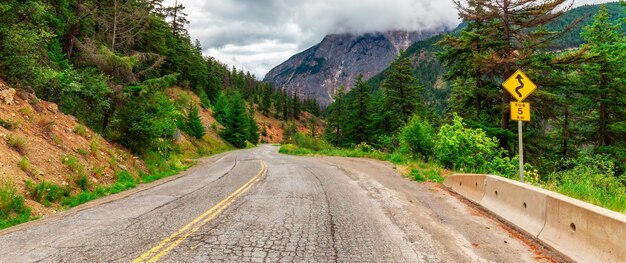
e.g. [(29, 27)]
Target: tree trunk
[(70, 36), (174, 26), (603, 118), (506, 97), (114, 25)]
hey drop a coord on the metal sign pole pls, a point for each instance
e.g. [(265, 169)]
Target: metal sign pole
[(521, 151)]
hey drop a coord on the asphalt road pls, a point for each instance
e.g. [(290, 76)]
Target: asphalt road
[(260, 206)]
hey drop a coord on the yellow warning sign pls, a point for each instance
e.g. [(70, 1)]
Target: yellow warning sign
[(519, 85), (520, 111)]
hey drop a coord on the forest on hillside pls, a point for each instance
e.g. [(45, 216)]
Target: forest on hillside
[(109, 62), (576, 140)]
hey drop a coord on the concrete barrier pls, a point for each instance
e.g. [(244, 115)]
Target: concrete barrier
[(471, 186), (521, 204), (581, 231), (584, 232)]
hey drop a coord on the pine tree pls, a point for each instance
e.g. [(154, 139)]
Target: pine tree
[(295, 106), (178, 19), (266, 100), (336, 119), (253, 128), (605, 82), (461, 54), (221, 108), (193, 125), (402, 93), (237, 122), (358, 126)]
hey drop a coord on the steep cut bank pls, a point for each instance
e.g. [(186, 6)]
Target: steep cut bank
[(319, 71), (40, 144)]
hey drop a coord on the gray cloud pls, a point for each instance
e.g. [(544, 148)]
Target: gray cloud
[(257, 35)]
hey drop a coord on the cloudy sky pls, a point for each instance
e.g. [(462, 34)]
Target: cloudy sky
[(257, 35)]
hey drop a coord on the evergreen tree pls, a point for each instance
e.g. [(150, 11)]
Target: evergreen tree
[(605, 82), (266, 100), (402, 93), (220, 108), (335, 125), (295, 106), (358, 126), (237, 122), (193, 125), (178, 19), (253, 128)]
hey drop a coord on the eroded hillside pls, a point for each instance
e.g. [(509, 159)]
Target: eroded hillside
[(39, 143)]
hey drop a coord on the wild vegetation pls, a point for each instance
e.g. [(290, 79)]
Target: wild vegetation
[(576, 141), (112, 65)]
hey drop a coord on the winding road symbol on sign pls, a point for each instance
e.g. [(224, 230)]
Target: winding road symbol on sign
[(519, 78), (519, 85)]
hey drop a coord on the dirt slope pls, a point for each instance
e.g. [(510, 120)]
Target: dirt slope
[(38, 142)]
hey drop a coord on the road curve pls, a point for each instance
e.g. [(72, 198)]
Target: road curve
[(260, 206)]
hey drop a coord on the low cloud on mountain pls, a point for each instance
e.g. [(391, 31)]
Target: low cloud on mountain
[(259, 34)]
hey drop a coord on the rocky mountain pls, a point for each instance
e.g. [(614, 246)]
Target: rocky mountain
[(319, 71)]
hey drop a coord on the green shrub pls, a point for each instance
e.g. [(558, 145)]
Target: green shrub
[(289, 131), (80, 130), (46, 192), (98, 170), (17, 143), (386, 143), (72, 163), (249, 145), (416, 138), (126, 180), (308, 142), (458, 147), (9, 124), (366, 148), (82, 151), (12, 209), (417, 175), (82, 181), (24, 164), (81, 198), (57, 140), (591, 179), (94, 146)]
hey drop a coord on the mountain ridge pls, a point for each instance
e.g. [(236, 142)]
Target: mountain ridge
[(338, 59)]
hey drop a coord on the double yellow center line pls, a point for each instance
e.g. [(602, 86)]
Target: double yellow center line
[(171, 242)]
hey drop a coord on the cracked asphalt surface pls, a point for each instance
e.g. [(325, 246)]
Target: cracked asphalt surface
[(304, 209)]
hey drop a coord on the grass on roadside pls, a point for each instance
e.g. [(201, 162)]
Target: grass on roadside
[(416, 170), (12, 208)]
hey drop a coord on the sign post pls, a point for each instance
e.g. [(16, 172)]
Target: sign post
[(520, 86)]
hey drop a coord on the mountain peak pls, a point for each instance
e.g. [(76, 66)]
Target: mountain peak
[(319, 71)]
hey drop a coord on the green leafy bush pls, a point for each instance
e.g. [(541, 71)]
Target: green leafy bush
[(81, 130), (416, 138), (417, 176), (12, 209), (305, 141), (592, 178), (458, 147), (46, 192)]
